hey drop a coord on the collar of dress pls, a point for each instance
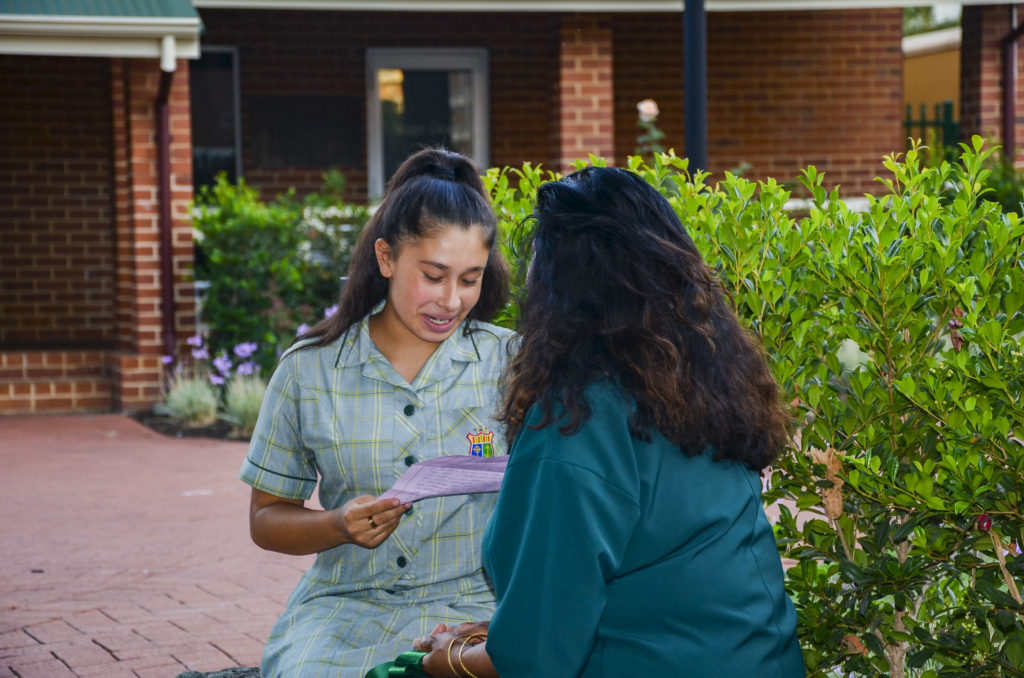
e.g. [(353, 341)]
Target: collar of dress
[(357, 348)]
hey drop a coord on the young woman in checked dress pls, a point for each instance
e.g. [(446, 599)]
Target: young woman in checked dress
[(405, 370)]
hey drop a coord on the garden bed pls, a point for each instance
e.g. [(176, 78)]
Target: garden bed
[(170, 427)]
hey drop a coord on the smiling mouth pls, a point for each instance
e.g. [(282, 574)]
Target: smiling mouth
[(439, 323)]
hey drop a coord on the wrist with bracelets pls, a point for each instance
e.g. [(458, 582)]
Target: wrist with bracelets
[(462, 648)]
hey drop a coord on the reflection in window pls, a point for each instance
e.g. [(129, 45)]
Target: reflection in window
[(424, 97), (214, 110), (424, 108)]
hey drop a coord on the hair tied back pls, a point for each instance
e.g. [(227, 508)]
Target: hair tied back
[(440, 172)]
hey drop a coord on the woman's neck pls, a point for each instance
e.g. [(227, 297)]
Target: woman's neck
[(406, 352)]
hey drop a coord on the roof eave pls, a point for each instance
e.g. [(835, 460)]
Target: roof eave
[(135, 37), (560, 5)]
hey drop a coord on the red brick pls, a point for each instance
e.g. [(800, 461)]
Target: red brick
[(51, 668), (77, 656)]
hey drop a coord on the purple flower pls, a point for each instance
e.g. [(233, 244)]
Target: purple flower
[(200, 354), (303, 328), (195, 340), (329, 311), (984, 522), (245, 368), (167, 359), (245, 349), (216, 380), (223, 364)]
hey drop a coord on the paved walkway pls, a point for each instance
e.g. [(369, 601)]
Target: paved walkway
[(124, 552)]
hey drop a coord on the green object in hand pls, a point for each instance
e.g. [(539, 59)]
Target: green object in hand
[(407, 664)]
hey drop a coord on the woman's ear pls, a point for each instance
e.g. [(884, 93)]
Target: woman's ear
[(384, 261)]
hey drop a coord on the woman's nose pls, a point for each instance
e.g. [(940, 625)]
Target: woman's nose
[(450, 296)]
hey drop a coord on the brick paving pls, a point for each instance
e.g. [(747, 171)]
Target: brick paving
[(124, 552)]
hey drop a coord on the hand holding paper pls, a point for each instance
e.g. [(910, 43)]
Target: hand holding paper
[(443, 476)]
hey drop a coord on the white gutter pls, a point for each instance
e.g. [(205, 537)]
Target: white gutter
[(928, 43), (65, 35), (561, 5)]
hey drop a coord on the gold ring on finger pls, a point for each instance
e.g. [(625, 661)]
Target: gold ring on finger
[(372, 523)]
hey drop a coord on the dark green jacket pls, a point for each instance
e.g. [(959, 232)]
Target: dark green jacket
[(616, 558)]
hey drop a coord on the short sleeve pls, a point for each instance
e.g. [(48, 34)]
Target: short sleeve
[(278, 462), (557, 537)]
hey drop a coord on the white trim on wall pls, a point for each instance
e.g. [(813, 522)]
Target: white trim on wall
[(929, 43), (566, 5), (97, 36), (413, 58)]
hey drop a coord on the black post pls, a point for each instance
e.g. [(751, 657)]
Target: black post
[(1010, 88), (695, 82)]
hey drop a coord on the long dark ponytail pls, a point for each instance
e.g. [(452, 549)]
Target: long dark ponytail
[(433, 189)]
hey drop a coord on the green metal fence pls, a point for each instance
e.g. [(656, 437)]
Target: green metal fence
[(940, 128)]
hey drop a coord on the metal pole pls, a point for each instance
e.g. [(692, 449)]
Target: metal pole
[(695, 82)]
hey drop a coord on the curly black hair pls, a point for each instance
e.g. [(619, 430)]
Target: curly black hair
[(617, 290)]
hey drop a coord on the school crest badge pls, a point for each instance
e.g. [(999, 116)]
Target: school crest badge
[(481, 443)]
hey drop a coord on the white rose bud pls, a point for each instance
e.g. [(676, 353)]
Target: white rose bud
[(648, 110)]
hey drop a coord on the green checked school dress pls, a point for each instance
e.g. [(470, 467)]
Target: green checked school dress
[(343, 415)]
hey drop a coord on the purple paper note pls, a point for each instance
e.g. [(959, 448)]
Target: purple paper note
[(443, 476)]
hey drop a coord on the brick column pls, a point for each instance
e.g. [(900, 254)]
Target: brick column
[(585, 67), (135, 367), (981, 73)]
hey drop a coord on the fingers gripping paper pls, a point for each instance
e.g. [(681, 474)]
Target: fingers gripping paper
[(442, 476)]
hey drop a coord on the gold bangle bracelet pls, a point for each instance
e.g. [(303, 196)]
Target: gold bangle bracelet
[(448, 653), (462, 648)]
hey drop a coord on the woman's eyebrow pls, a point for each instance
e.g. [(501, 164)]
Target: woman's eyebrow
[(445, 267)]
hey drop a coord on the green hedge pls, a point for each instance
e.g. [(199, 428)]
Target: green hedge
[(271, 266), (896, 334)]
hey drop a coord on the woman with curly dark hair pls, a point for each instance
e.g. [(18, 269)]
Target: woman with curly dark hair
[(629, 537)]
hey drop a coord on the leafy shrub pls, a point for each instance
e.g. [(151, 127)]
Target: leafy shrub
[(270, 265), (242, 398), (190, 400), (901, 498), (513, 192), (1005, 185), (1002, 184)]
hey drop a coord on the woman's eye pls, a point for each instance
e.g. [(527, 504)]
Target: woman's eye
[(470, 283), (431, 278)]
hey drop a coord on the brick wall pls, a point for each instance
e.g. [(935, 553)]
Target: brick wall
[(785, 90), (136, 367), (981, 74), (56, 238), (324, 53), (79, 235), (585, 93), (648, 60), (54, 381)]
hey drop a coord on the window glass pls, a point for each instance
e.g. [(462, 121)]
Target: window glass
[(424, 108), (214, 106), (420, 98)]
